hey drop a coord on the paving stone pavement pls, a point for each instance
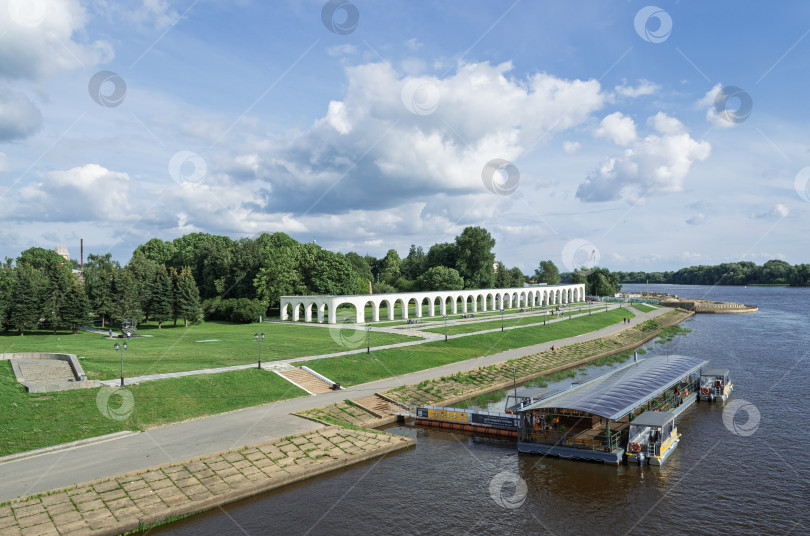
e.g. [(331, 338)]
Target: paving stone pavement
[(125, 502)]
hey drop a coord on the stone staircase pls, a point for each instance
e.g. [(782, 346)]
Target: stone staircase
[(45, 371), (305, 380), (379, 405)]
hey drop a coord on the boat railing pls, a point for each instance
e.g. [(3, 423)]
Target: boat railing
[(598, 443)]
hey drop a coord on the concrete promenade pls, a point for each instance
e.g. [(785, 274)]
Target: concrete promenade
[(129, 501), (57, 468)]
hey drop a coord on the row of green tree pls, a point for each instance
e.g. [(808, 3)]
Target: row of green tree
[(773, 272), (41, 290), (200, 274)]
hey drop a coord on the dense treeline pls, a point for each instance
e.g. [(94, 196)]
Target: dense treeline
[(773, 272), (202, 275)]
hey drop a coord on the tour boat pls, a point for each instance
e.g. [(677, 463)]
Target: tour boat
[(652, 439), (715, 384)]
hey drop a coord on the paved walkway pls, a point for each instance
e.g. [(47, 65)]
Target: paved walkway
[(121, 504), (108, 457)]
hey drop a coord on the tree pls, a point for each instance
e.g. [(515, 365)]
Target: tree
[(547, 273), (360, 266), (475, 258), (125, 293), (442, 254), (517, 277), (75, 308), (143, 271), (503, 276), (40, 258), (776, 271), (390, 267), (157, 250), (162, 305), (55, 283), (602, 283), (188, 298), (23, 312), (99, 272), (414, 264), (440, 278)]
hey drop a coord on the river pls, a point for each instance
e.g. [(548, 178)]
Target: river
[(746, 474)]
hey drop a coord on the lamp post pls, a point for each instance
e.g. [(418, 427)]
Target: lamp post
[(368, 338), (121, 348), (259, 339), (445, 328), (502, 319)]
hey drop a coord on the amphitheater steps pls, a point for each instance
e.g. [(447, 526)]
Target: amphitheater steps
[(45, 371)]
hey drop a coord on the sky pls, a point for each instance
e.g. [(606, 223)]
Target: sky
[(630, 135)]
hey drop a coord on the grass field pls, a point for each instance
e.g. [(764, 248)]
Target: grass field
[(362, 368), (644, 308), (36, 420), (175, 349), (472, 327)]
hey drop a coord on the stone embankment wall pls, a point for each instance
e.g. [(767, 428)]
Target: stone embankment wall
[(704, 306)]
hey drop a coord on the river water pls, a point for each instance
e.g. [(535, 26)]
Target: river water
[(747, 473)]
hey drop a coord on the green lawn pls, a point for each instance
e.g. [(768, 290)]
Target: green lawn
[(36, 420), (361, 368), (472, 327), (174, 349), (644, 308)]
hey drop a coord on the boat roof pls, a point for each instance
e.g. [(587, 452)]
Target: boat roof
[(614, 395), (653, 418), (715, 372)]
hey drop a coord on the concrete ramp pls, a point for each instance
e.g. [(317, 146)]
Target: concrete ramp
[(306, 381)]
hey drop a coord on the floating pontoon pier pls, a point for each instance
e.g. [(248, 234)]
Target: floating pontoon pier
[(591, 420)]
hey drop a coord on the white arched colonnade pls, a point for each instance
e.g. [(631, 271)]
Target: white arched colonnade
[(443, 301)]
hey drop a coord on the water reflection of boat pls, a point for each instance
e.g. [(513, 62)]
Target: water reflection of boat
[(652, 437), (715, 384)]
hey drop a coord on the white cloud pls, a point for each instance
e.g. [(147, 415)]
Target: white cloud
[(778, 211), (658, 163), (697, 219), (155, 12), (84, 193), (571, 147), (19, 118), (336, 116), (645, 87), (413, 44), (618, 128), (371, 150), (707, 102), (46, 42)]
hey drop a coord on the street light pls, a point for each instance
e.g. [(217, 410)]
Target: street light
[(368, 338), (259, 339), (445, 328), (121, 348), (502, 319)]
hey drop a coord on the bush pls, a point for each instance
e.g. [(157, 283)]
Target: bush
[(238, 310)]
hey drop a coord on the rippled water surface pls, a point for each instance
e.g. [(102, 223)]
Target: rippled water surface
[(751, 477)]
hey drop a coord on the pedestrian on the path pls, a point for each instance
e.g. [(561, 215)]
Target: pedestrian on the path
[(111, 333)]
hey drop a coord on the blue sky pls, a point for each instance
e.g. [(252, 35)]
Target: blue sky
[(651, 136)]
